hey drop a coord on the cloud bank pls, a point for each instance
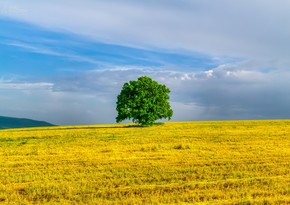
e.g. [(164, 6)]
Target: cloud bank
[(221, 93)]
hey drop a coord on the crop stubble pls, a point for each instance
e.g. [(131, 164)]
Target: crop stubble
[(206, 162)]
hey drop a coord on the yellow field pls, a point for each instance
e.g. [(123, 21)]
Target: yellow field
[(221, 162)]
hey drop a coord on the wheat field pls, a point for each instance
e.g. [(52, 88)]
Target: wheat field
[(203, 162)]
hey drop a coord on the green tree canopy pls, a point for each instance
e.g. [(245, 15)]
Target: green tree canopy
[(143, 101)]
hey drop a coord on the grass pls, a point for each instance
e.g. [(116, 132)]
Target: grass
[(217, 162)]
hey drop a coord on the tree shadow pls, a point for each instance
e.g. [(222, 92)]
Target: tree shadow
[(144, 126)]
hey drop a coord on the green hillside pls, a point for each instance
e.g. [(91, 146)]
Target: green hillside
[(11, 122)]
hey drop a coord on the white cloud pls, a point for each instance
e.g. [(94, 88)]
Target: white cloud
[(255, 28), (48, 51), (6, 85)]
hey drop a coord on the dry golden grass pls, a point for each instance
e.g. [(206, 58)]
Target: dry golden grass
[(221, 162)]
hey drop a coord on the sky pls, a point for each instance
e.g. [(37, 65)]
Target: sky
[(65, 61)]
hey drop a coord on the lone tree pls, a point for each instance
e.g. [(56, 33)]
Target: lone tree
[(143, 101)]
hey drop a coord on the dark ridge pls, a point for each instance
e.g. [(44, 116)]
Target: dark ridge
[(12, 122)]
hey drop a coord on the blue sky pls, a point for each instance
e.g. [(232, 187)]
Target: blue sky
[(221, 60), (43, 52)]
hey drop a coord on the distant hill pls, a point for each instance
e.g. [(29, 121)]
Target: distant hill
[(11, 122)]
